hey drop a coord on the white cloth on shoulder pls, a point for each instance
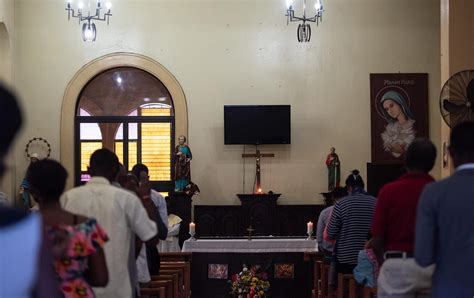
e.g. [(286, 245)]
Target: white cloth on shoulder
[(171, 244)]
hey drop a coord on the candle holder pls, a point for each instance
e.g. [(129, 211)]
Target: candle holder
[(309, 236), (192, 236)]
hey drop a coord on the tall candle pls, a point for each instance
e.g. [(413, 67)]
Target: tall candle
[(192, 227), (309, 225)]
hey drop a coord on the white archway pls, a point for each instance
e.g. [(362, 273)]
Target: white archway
[(93, 68)]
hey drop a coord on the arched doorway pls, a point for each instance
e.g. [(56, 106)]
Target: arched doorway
[(129, 104), (130, 112)]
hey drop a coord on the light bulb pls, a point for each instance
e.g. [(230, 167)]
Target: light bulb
[(108, 5), (289, 3), (318, 5), (88, 34), (80, 5)]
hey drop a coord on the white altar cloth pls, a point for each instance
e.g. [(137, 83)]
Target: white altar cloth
[(253, 246)]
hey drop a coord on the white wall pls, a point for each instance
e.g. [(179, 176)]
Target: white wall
[(242, 52)]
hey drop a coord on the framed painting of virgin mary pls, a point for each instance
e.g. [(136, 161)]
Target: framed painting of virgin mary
[(399, 114)]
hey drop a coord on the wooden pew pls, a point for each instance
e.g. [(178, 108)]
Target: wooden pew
[(324, 280), (153, 292), (166, 284), (369, 292), (177, 260), (186, 268), (171, 277), (176, 257), (316, 259), (346, 286)]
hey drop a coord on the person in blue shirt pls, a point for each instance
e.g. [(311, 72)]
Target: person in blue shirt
[(445, 225)]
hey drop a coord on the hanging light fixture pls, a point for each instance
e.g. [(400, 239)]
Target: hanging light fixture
[(89, 31), (304, 30)]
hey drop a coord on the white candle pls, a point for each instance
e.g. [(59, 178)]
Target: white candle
[(192, 227), (310, 227)]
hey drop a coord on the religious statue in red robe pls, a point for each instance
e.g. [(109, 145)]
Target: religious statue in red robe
[(334, 169)]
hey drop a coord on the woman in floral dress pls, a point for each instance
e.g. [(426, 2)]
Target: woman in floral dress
[(77, 241)]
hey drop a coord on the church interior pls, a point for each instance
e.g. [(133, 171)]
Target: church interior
[(152, 71)]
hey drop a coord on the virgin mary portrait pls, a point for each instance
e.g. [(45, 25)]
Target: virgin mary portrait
[(399, 131)]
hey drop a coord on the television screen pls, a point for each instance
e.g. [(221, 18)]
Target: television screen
[(269, 124)]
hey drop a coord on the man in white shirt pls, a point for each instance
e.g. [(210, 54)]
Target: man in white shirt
[(119, 211), (149, 262)]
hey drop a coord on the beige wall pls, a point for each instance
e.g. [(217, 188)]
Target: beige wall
[(457, 46), (242, 52)]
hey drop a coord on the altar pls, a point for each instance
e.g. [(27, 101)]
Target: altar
[(216, 260)]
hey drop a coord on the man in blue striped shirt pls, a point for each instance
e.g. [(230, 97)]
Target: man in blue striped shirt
[(350, 223)]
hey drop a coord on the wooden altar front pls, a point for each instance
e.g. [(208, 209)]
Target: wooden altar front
[(216, 260)]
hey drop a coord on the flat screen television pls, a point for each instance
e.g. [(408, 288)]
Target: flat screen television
[(257, 124)]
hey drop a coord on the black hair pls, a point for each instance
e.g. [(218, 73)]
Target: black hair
[(105, 163), (134, 178), (138, 168), (334, 195), (47, 179), (355, 180), (462, 141), (420, 155), (339, 192)]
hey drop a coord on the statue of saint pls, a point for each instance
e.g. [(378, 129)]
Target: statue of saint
[(334, 169), (24, 190), (182, 164)]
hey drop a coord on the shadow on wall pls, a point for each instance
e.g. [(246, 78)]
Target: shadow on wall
[(7, 186), (5, 54)]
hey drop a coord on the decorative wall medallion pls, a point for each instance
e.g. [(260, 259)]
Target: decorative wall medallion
[(38, 148)]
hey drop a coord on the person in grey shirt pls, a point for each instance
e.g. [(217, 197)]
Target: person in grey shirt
[(326, 247), (445, 225)]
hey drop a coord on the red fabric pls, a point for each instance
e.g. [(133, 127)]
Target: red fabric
[(395, 212), (329, 159)]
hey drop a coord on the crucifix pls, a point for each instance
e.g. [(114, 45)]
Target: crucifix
[(250, 230), (258, 156)]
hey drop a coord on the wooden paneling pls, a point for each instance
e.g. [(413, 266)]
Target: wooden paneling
[(232, 221)]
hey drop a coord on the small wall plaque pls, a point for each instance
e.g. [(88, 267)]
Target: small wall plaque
[(284, 271), (217, 271)]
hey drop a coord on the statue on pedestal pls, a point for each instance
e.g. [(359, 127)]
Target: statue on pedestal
[(334, 169), (24, 190), (182, 164)]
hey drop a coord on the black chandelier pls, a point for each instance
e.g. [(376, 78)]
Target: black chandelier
[(89, 31), (304, 30)]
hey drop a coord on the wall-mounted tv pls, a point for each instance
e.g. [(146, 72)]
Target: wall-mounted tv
[(257, 124)]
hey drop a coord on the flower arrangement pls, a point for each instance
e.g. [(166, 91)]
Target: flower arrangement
[(250, 283)]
